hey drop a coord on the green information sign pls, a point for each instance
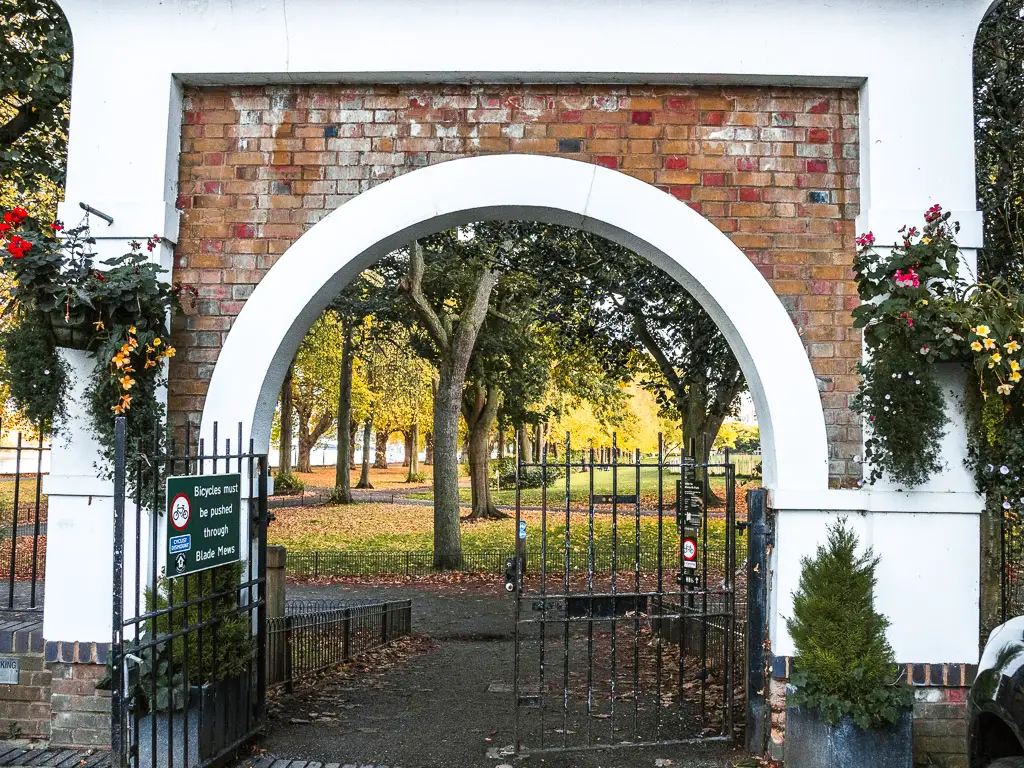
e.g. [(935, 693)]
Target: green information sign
[(204, 515)]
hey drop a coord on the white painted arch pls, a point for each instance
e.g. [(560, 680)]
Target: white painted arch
[(265, 335)]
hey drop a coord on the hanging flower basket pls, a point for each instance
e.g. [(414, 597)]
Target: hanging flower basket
[(70, 334)]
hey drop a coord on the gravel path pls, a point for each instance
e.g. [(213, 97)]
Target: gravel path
[(447, 708)]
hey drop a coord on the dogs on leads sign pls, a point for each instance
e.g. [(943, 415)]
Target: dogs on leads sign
[(204, 514)]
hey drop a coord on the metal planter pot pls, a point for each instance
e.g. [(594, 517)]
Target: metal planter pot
[(813, 743)]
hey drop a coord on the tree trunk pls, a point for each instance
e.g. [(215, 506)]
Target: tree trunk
[(343, 466), (380, 458), (413, 452), (407, 436), (364, 473), (479, 410), (305, 448), (447, 536), (454, 350), (287, 420), (428, 448), (991, 568), (524, 444), (536, 443), (501, 444), (352, 429)]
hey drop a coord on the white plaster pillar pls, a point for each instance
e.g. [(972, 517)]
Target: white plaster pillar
[(80, 526)]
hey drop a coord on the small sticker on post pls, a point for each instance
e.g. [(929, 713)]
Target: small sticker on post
[(522, 529)]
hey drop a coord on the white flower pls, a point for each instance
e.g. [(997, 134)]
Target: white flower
[(1004, 470), (888, 397), (910, 373), (1006, 505), (46, 372), (894, 375), (860, 482), (917, 381), (886, 409), (856, 459), (989, 468)]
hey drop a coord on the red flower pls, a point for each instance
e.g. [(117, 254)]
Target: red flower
[(4, 227), (57, 226), (933, 214), (98, 275), (18, 247), (865, 240)]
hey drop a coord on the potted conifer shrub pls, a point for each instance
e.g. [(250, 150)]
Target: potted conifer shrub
[(846, 703)]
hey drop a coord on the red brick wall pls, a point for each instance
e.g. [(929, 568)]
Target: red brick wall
[(775, 169)]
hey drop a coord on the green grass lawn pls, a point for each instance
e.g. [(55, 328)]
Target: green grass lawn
[(579, 488), (387, 527)]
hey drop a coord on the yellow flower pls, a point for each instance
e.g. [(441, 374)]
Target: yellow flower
[(120, 359), (169, 352), (99, 325), (1015, 376), (996, 357), (976, 346), (926, 240), (989, 344), (156, 342), (1014, 365), (127, 382), (1004, 389), (982, 330), (117, 409), (150, 364), (923, 302), (1012, 347), (132, 330)]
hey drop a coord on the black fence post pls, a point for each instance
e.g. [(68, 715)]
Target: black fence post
[(759, 539), (346, 635), (117, 703), (288, 651)]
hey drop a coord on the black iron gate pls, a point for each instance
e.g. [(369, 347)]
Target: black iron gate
[(188, 659), (630, 609)]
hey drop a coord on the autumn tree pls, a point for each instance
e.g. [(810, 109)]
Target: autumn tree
[(315, 384), (641, 321), (353, 307)]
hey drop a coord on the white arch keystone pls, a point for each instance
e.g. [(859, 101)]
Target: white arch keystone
[(282, 308)]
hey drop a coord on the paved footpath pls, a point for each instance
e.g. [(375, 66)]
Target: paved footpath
[(446, 708)]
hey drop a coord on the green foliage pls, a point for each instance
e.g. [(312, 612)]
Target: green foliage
[(529, 477), (416, 477), (118, 315), (287, 482), (844, 665), (999, 141), (35, 89), (223, 648), (909, 295), (35, 373)]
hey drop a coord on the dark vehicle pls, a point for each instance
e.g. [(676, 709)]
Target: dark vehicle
[(995, 706)]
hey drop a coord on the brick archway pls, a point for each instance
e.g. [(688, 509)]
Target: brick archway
[(263, 340)]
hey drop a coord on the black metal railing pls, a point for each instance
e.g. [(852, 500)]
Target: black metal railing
[(1012, 587), (23, 513), (316, 635), (188, 665)]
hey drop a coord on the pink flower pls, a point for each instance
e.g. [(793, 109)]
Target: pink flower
[(865, 240), (908, 279), (933, 214)]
